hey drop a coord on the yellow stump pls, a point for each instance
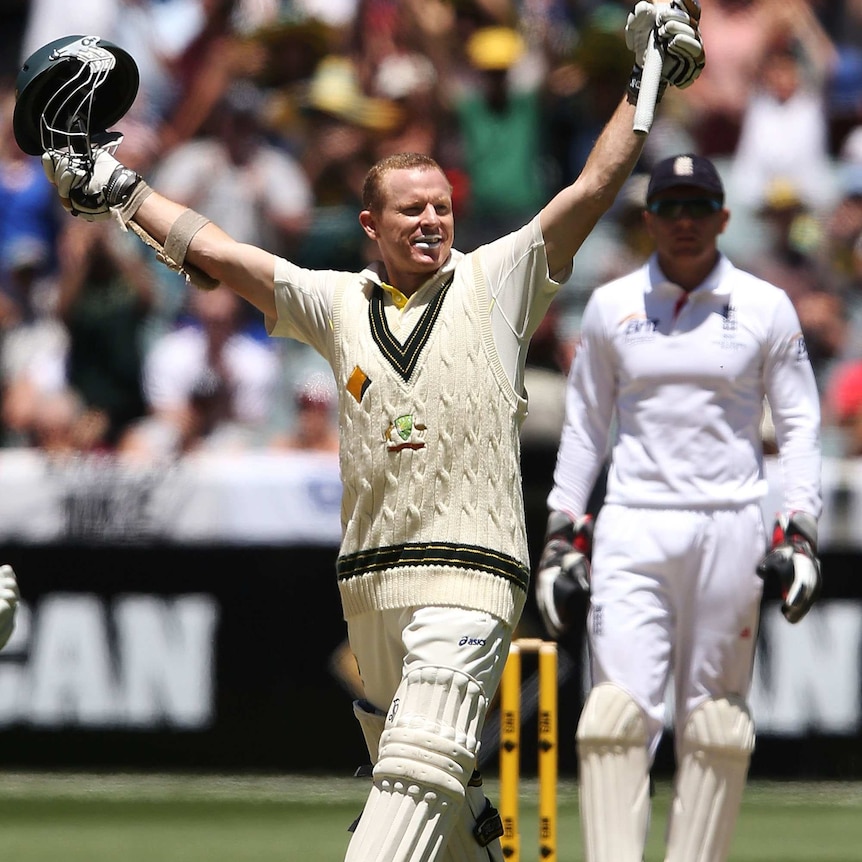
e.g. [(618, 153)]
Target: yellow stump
[(510, 748), (510, 753), (548, 752)]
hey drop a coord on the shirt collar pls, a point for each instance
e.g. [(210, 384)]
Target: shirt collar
[(375, 273), (714, 284)]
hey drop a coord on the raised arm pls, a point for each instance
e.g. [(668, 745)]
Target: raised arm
[(570, 216)]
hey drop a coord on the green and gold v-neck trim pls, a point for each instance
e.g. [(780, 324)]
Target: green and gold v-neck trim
[(403, 357)]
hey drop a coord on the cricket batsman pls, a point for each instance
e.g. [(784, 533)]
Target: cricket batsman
[(428, 347)]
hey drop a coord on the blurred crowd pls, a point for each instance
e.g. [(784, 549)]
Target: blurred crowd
[(264, 115)]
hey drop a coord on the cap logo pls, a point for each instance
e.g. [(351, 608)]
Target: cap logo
[(683, 166)]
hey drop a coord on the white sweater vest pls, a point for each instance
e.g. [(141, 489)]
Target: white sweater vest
[(430, 455)]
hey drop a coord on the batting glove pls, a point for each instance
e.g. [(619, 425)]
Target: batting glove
[(793, 560), (9, 596), (564, 570), (679, 40), (677, 37), (89, 185)]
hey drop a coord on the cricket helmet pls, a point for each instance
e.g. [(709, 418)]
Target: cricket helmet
[(69, 89)]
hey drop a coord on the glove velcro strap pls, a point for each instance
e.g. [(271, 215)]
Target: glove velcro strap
[(560, 526), (120, 186), (563, 535)]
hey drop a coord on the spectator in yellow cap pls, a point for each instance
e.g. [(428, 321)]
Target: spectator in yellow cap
[(505, 189)]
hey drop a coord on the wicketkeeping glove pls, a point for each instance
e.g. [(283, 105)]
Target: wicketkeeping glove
[(9, 596), (793, 560), (678, 38), (564, 570), (90, 185)]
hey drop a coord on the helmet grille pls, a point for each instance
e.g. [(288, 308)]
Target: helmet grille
[(70, 89)]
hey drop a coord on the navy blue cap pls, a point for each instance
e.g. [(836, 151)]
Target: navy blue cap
[(685, 170)]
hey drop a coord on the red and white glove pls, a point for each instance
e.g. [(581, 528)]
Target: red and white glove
[(793, 560), (564, 569), (9, 596)]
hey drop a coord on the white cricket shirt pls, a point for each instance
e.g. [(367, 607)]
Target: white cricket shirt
[(682, 380)]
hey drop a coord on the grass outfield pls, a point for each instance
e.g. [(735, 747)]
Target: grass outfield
[(156, 818)]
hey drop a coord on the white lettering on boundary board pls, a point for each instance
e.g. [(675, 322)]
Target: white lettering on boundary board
[(146, 662), (139, 661)]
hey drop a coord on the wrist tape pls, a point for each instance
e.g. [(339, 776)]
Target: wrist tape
[(181, 233), (173, 253)]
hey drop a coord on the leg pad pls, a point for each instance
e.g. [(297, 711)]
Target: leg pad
[(717, 742), (614, 776), (426, 758)]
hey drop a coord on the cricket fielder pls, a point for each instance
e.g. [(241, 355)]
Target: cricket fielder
[(678, 358)]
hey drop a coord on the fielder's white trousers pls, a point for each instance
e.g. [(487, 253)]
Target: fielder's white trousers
[(675, 592)]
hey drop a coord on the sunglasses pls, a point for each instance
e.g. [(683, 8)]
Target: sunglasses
[(674, 208)]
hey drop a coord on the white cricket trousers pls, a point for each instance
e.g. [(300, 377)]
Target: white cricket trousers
[(675, 592), (388, 644)]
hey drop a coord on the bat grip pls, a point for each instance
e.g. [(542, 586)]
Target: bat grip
[(650, 80)]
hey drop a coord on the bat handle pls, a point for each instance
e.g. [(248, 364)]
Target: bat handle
[(650, 80)]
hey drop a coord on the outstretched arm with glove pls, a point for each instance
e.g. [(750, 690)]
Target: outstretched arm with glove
[(572, 214), (67, 94), (104, 188), (93, 185)]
